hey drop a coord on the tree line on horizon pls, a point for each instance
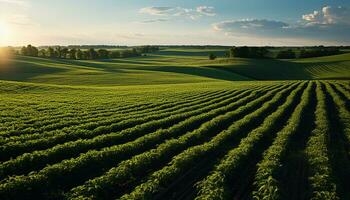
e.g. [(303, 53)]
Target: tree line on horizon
[(265, 53), (82, 54)]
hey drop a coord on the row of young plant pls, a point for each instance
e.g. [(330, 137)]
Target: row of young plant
[(37, 123), (63, 121), (117, 118), (266, 185), (79, 132), (16, 148), (343, 112), (48, 122), (320, 177), (41, 121), (91, 121), (86, 165), (339, 144), (42, 111), (344, 91), (38, 159), (346, 86), (159, 180), (216, 185), (130, 171)]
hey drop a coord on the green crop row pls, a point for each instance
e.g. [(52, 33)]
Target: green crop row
[(215, 185), (320, 178), (40, 158), (113, 117), (157, 181), (266, 185), (131, 169), (77, 167), (16, 148)]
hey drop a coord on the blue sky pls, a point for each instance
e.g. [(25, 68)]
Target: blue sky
[(137, 22)]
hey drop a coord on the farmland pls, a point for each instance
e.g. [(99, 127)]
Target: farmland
[(175, 125)]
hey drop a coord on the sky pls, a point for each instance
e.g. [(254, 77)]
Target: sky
[(190, 22)]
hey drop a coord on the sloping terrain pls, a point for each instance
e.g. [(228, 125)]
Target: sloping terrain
[(174, 125), (171, 66), (216, 140), (330, 67)]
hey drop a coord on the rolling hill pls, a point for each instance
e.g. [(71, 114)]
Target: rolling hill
[(169, 66)]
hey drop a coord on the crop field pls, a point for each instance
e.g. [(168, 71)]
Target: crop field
[(174, 125), (208, 142)]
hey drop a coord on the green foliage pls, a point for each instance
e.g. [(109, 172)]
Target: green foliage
[(266, 184), (146, 140), (29, 51), (286, 54), (321, 180), (318, 52), (212, 56), (89, 54), (249, 52)]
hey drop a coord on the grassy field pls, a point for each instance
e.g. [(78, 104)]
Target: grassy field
[(171, 66), (175, 125)]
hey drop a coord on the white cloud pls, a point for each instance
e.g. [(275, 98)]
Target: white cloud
[(154, 20), (328, 16), (332, 24), (156, 10), (187, 12), (180, 11), (247, 26), (315, 16), (206, 10)]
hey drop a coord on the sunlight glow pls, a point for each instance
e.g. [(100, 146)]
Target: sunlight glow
[(4, 33)]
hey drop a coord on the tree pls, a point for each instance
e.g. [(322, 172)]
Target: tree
[(72, 54), (58, 52), (85, 55), (134, 52), (24, 51), (50, 52), (319, 51), (34, 51), (91, 54), (64, 52), (103, 53), (114, 54), (286, 54), (42, 53), (147, 49), (212, 56), (79, 54), (29, 51), (249, 52)]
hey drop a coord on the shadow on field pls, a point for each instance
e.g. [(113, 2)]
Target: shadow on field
[(191, 53), (104, 65), (270, 69), (23, 71), (200, 71)]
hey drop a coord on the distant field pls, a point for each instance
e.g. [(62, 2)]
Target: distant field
[(192, 51), (175, 125), (171, 66)]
